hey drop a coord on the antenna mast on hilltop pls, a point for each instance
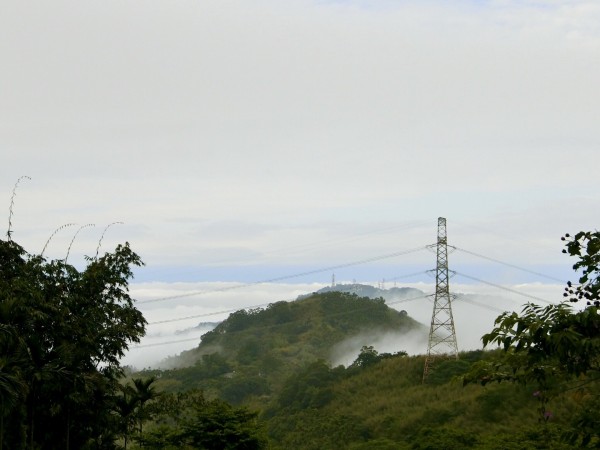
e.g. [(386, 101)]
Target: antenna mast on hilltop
[(442, 335)]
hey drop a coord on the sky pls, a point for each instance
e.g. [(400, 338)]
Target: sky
[(246, 141)]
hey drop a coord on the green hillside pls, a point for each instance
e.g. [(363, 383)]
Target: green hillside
[(250, 354), (385, 405), (277, 361)]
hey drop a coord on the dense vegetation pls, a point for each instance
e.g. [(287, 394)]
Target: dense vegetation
[(549, 356), (62, 333), (253, 352), (384, 405), (379, 402), (556, 348)]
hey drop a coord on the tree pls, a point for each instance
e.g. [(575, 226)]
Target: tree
[(553, 345), (216, 425), (63, 332), (556, 338), (12, 384), (125, 406), (367, 357), (189, 420), (586, 246), (143, 392)]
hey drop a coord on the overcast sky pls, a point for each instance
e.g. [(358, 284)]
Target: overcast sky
[(246, 140)]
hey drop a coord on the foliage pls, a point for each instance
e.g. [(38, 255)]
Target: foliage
[(367, 357), (62, 333), (131, 406), (248, 357), (548, 437), (443, 437), (378, 405), (543, 341), (385, 405), (275, 358), (554, 346), (586, 246), (446, 370), (216, 425), (189, 420), (237, 389), (312, 387), (317, 429), (379, 401)]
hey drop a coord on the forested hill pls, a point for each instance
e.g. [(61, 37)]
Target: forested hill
[(252, 351), (278, 361)]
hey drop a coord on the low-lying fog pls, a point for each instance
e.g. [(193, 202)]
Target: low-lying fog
[(177, 322)]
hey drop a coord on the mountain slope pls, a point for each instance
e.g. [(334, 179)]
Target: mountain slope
[(253, 351)]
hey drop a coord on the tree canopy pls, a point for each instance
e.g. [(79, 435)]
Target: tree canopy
[(62, 333), (585, 245), (557, 347)]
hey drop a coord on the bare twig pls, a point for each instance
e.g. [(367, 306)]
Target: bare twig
[(103, 233), (12, 204), (72, 240), (52, 235)]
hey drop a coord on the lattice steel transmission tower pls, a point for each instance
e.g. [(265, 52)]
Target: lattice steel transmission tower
[(442, 335)]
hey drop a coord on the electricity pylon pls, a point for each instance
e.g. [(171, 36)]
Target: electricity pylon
[(442, 335)]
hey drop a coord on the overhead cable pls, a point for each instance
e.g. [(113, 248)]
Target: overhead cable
[(549, 277), (481, 305), (395, 302), (285, 277), (197, 316), (502, 287)]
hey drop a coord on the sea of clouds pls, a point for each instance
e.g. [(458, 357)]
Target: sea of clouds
[(179, 313)]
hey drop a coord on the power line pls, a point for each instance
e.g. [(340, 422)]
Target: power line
[(287, 277), (508, 264), (395, 302), (399, 277), (337, 267), (165, 343), (301, 248), (462, 298), (197, 316), (503, 287), (406, 300), (481, 305), (229, 311)]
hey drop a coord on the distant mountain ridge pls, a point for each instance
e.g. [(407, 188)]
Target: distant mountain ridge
[(372, 292)]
